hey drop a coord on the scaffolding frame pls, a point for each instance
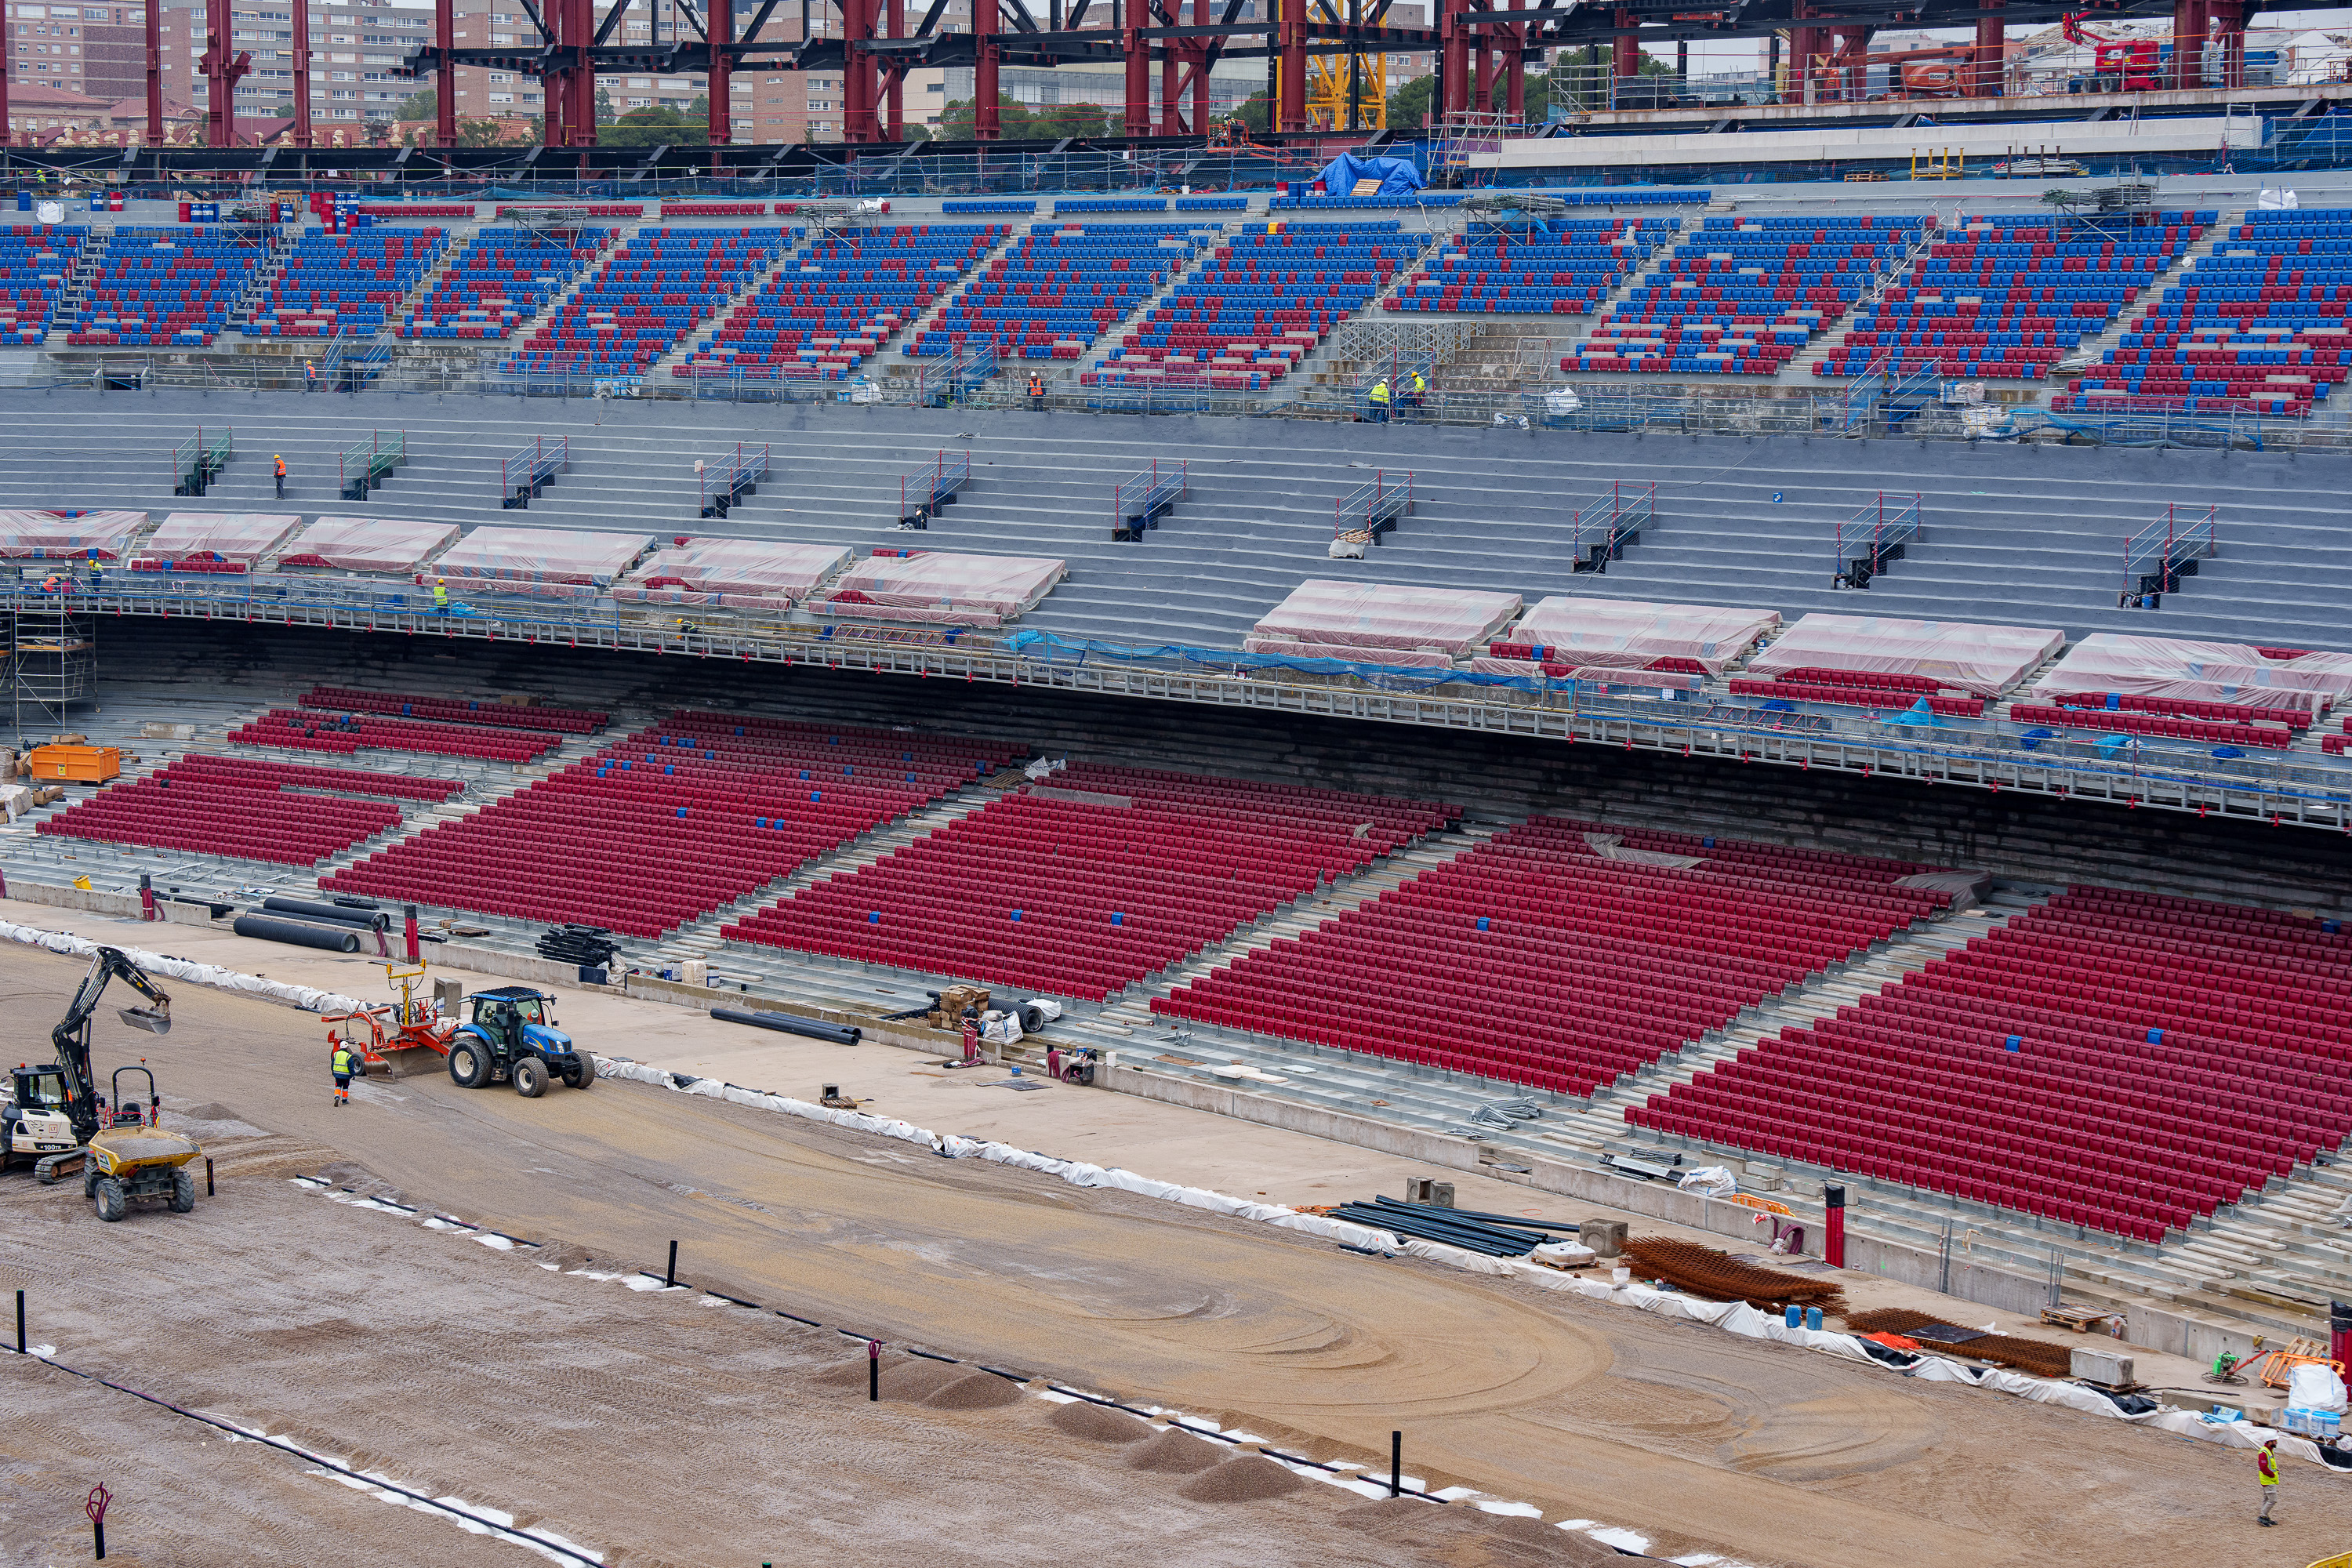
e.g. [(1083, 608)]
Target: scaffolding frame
[(52, 661)]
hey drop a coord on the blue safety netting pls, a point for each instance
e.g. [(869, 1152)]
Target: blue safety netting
[(1387, 676)]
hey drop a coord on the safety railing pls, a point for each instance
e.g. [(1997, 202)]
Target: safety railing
[(1890, 391), (1136, 504), (1360, 516), (2158, 556), (2297, 787), (1874, 538), (1600, 532), (723, 481), (922, 491), (524, 474), (199, 459), (365, 465)]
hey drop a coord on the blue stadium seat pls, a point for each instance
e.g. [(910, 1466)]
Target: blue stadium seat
[(1061, 287)]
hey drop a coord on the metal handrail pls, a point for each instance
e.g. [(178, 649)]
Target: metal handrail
[(1875, 535), (723, 481), (2157, 556), (523, 474), (1136, 502), (1372, 508), (1615, 520), (2308, 788)]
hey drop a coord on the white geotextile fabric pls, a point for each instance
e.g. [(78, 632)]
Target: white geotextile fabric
[(371, 544), (1626, 634), (31, 532), (766, 568), (237, 535), (945, 580), (2197, 671), (1385, 615), (543, 555), (211, 974), (1983, 660)]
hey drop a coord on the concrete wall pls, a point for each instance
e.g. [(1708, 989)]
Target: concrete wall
[(96, 902)]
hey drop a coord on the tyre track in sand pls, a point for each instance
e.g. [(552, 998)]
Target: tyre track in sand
[(1810, 1463)]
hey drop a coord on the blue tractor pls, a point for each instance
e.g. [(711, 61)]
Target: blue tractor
[(510, 1033)]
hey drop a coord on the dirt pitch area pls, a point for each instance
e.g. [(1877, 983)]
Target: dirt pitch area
[(669, 1428)]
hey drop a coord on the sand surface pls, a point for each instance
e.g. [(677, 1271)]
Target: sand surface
[(258, 1307)]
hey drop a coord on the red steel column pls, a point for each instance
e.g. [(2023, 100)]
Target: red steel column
[(580, 114), (721, 119), (1988, 65), (985, 120), (301, 70), (1849, 46), (154, 79), (2187, 43), (1137, 118), (856, 71), (1293, 84), (220, 80), (894, 101), (1453, 86), (1515, 70), (8, 135), (1200, 126), (1171, 54), (444, 80), (1625, 51)]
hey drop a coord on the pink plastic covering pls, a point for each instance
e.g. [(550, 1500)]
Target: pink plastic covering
[(944, 588), (747, 574), (1981, 659), (517, 558), (1602, 635), (367, 543), (46, 533), (2199, 671), (246, 536), (1335, 617)]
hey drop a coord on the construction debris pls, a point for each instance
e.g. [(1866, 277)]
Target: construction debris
[(2039, 1357), (1718, 1277), (1496, 1235)]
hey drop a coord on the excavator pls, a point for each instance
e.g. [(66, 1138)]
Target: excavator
[(56, 1116)]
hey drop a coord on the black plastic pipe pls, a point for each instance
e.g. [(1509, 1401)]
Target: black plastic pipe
[(276, 928), (786, 1023), (335, 914)]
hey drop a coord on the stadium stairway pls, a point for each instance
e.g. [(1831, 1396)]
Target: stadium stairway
[(2090, 350), (689, 342), (2022, 536)]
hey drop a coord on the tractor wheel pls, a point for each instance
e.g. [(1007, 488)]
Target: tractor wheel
[(108, 1199), (530, 1077), (470, 1063), (183, 1192), (585, 1074)]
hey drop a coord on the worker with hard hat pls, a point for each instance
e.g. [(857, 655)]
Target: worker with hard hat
[(277, 465), (441, 596), (1380, 401), (345, 1064)]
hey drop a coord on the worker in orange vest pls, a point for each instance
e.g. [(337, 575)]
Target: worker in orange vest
[(280, 475), (1036, 390)]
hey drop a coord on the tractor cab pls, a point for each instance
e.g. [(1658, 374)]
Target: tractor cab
[(509, 1033)]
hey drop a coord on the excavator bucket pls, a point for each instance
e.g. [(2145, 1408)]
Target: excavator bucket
[(154, 1020)]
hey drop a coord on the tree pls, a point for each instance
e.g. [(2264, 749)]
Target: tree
[(1258, 113), (653, 128), (605, 113), (1408, 105), (421, 105), (956, 120), (484, 132)]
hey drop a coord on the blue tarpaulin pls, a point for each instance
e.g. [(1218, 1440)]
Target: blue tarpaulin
[(1397, 177)]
